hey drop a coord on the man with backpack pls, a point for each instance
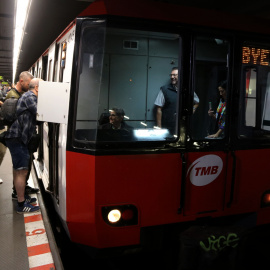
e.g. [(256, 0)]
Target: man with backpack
[(21, 86), (17, 139), (15, 93)]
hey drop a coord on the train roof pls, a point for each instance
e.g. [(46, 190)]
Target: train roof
[(157, 11), (153, 10)]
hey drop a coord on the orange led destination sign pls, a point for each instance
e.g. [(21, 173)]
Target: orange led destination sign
[(255, 56)]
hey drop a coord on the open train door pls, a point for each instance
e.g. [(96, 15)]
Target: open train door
[(52, 109)]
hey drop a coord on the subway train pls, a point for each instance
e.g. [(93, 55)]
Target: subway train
[(131, 187)]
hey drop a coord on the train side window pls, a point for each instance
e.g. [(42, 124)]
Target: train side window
[(254, 120), (210, 72), (250, 99), (63, 60), (89, 74), (55, 68), (50, 70)]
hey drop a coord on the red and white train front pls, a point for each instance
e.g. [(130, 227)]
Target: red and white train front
[(112, 184)]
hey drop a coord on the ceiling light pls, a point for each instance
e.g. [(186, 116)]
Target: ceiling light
[(22, 8)]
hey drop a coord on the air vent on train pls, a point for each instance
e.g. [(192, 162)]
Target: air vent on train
[(131, 45)]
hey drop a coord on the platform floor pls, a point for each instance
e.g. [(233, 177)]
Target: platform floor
[(26, 241)]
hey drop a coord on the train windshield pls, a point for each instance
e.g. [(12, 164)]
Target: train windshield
[(124, 78)]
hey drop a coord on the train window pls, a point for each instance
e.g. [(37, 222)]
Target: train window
[(254, 120), (250, 98), (50, 70), (209, 91), (55, 69), (62, 61), (121, 74)]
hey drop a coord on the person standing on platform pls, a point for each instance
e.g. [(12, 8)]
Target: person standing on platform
[(2, 147), (20, 88), (2, 129), (17, 139)]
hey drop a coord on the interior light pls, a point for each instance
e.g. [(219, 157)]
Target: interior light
[(219, 41), (63, 55), (142, 123), (114, 215), (151, 134), (21, 15)]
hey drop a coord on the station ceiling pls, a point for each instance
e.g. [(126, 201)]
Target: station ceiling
[(48, 18)]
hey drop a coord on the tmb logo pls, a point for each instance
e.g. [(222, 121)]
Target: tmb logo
[(205, 170)]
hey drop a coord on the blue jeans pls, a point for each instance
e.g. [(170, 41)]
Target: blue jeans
[(19, 154)]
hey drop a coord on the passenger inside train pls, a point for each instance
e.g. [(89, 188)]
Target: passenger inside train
[(116, 128), (116, 120), (220, 114)]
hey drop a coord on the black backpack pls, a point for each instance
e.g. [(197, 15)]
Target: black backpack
[(8, 111)]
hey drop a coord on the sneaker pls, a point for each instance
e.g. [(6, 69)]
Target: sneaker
[(27, 208), (28, 190), (29, 199), (31, 190), (1, 181)]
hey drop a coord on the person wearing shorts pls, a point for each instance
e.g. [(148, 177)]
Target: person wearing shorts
[(17, 139)]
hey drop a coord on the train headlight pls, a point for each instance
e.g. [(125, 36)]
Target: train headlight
[(114, 215), (265, 201), (120, 215)]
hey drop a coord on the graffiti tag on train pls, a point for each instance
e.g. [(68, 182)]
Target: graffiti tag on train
[(217, 244)]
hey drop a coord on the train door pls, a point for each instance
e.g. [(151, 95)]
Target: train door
[(207, 157), (55, 118), (51, 129), (44, 128), (56, 129), (40, 127), (252, 137)]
